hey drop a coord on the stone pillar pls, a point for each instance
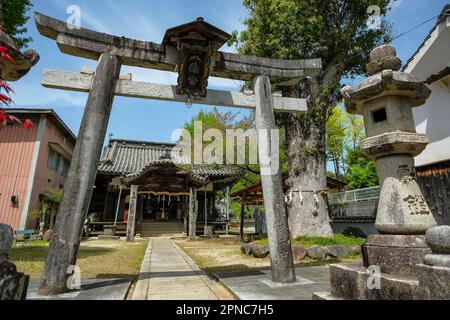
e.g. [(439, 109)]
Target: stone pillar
[(186, 215), (242, 216), (193, 212), (13, 285), (131, 223), (276, 214), (81, 178)]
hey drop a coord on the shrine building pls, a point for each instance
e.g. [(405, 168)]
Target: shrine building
[(163, 189)]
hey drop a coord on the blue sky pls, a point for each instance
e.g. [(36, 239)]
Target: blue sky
[(148, 20)]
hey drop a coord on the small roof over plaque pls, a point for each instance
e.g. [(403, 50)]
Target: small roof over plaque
[(197, 31)]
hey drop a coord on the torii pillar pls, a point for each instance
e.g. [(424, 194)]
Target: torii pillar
[(272, 182), (81, 178)]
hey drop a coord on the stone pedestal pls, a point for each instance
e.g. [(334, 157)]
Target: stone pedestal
[(395, 254), (434, 273), (355, 282), (13, 284)]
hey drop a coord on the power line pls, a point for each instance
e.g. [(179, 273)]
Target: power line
[(414, 28)]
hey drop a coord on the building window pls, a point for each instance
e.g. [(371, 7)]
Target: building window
[(53, 160), (65, 166)]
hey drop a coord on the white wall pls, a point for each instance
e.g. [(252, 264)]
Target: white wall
[(433, 119)]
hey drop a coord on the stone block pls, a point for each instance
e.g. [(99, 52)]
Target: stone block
[(299, 253), (353, 282), (317, 253), (260, 251), (247, 248), (437, 260), (14, 287), (438, 239), (402, 209), (354, 250), (6, 238), (325, 296), (434, 282), (395, 254), (337, 252), (48, 235)]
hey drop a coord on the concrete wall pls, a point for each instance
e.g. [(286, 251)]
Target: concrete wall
[(44, 177), (433, 119)]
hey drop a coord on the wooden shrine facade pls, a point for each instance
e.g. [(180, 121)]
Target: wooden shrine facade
[(163, 187)]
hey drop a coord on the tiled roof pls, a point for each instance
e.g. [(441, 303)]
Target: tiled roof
[(133, 158)]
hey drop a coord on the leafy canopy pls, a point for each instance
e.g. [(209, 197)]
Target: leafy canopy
[(14, 14), (335, 31)]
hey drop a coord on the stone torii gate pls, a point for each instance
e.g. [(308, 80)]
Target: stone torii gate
[(192, 50)]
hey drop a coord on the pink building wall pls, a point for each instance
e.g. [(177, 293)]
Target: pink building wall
[(16, 153), (28, 150)]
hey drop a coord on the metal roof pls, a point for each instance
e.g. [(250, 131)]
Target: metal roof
[(132, 158), (26, 112)]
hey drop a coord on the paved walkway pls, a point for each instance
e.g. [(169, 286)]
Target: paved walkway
[(167, 273), (258, 285), (97, 289)]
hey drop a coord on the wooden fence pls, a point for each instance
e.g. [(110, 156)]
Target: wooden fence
[(435, 184)]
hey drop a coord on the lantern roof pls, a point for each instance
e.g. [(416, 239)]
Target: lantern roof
[(197, 31)]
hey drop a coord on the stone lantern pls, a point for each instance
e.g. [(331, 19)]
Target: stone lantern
[(13, 285), (385, 100), (392, 258)]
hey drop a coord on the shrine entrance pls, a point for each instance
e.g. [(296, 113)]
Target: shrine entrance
[(191, 50)]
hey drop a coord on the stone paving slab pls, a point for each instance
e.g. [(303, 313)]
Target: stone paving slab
[(168, 273), (258, 285), (98, 289)]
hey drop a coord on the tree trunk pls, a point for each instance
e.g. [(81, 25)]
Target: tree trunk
[(306, 152)]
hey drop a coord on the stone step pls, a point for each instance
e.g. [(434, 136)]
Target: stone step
[(159, 235), (354, 282)]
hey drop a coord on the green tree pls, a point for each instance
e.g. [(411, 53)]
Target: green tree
[(335, 31), (362, 173), (13, 17), (336, 139)]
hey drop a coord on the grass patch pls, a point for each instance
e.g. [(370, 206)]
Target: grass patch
[(97, 259), (337, 240), (224, 255)]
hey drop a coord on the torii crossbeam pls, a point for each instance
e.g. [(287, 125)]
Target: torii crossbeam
[(192, 50)]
